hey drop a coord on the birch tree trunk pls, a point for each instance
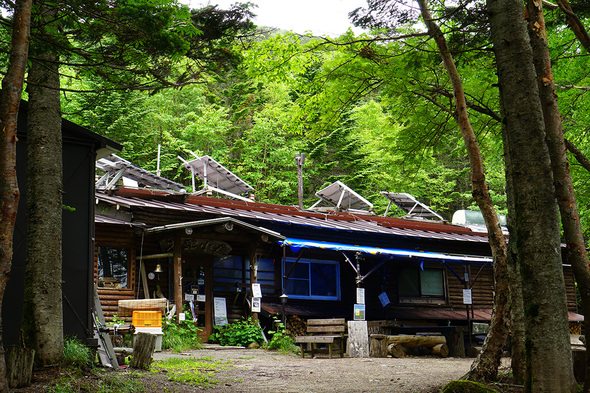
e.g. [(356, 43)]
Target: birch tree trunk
[(10, 96), (485, 367), (43, 315), (536, 219), (576, 254)]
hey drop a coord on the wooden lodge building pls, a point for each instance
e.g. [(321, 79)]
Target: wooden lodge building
[(154, 243)]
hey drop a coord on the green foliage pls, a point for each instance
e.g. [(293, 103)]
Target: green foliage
[(462, 386), (240, 333), (180, 336), (76, 354), (191, 371), (280, 340), (101, 382)]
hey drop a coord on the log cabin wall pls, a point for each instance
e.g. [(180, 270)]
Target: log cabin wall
[(119, 237), (482, 289), (570, 289)]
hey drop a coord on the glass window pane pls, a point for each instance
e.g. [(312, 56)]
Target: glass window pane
[(300, 271), (408, 282), (324, 279), (112, 263), (297, 287), (431, 282)]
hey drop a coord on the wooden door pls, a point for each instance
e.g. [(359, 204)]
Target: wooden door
[(197, 278)]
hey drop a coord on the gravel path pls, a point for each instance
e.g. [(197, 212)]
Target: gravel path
[(257, 370)]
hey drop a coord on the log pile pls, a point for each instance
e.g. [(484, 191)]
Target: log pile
[(400, 345), (296, 326)]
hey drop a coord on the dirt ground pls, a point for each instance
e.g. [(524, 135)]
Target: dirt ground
[(258, 370)]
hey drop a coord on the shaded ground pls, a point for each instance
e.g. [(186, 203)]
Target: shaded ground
[(264, 371)]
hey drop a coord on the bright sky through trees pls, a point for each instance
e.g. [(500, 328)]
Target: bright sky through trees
[(321, 17)]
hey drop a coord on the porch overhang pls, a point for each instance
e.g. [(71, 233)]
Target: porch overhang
[(298, 244)]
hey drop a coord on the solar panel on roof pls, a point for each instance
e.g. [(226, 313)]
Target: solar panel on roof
[(410, 205), (116, 168), (342, 197), (217, 177)]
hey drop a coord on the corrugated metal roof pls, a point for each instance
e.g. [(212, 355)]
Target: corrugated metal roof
[(290, 215), (115, 221)]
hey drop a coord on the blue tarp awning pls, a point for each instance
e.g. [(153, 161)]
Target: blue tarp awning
[(297, 244)]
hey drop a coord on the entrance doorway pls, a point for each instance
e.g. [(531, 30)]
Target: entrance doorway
[(197, 280)]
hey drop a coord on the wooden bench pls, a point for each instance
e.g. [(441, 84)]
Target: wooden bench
[(323, 332)]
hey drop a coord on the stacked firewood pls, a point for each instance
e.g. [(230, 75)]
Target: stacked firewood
[(296, 326)]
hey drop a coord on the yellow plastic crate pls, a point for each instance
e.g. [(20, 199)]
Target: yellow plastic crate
[(147, 318)]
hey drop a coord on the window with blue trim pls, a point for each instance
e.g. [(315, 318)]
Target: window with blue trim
[(419, 282), (313, 279)]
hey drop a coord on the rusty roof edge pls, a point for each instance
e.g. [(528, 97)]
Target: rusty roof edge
[(383, 222)]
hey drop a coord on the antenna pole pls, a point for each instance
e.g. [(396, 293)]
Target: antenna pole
[(300, 160), (158, 164)]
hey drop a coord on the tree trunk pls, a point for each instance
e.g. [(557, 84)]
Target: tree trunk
[(143, 349), (43, 314), (575, 24), (10, 95), (485, 367), (576, 254), (19, 366), (536, 225), (514, 280)]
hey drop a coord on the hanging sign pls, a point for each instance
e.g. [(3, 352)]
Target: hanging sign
[(360, 295), (256, 304), (201, 298), (219, 311), (189, 297), (256, 291), (467, 296), (384, 299), (359, 312)]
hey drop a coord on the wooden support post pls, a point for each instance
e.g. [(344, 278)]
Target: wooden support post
[(253, 276), (19, 366), (143, 349), (177, 269)]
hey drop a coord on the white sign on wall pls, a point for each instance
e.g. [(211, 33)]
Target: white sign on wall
[(467, 296), (360, 295), (256, 304), (256, 291), (219, 311)]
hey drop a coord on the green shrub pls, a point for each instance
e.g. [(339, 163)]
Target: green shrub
[(280, 341), (180, 336), (241, 333), (76, 354)]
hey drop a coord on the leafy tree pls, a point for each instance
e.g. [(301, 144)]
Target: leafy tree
[(10, 96), (130, 44)]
